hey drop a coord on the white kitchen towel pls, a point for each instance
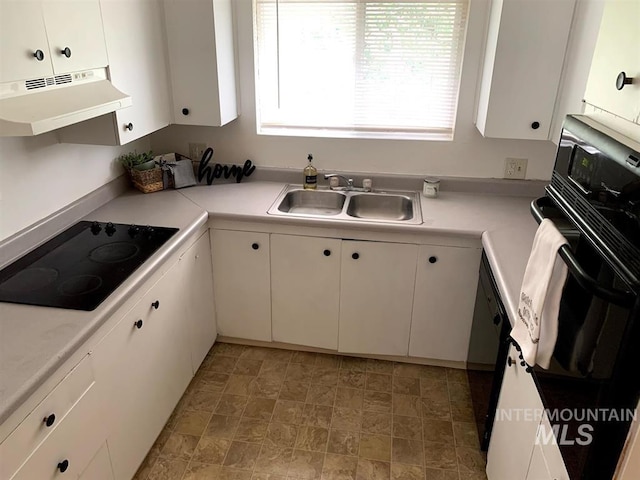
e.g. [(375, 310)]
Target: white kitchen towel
[(536, 325)]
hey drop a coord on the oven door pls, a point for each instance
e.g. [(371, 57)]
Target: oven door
[(597, 325)]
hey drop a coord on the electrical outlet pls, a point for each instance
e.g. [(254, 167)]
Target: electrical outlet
[(515, 168), (196, 150)]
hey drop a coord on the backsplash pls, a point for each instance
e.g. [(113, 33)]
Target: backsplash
[(40, 176)]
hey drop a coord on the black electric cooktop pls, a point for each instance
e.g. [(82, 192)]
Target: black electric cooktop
[(82, 266)]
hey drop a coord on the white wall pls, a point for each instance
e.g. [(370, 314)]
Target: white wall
[(38, 176), (468, 155)]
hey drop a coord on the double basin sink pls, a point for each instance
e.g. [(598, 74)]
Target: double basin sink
[(396, 207)]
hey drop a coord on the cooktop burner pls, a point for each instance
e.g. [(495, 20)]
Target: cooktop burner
[(82, 266)]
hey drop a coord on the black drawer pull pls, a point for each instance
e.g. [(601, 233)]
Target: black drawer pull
[(156, 304), (185, 111), (138, 324), (623, 80), (63, 465), (433, 259), (535, 125), (255, 246), (129, 126), (39, 55), (49, 420), (66, 51), (355, 255), (327, 253), (510, 362)]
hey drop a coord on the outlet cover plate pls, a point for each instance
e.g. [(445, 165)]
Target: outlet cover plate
[(515, 168)]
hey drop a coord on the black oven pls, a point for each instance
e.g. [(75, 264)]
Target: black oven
[(592, 387)]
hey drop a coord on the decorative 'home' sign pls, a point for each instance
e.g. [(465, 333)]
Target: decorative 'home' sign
[(226, 171)]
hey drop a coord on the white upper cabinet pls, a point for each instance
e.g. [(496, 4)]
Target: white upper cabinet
[(524, 55), (134, 36), (41, 38), (76, 38), (24, 49), (617, 50), (201, 61)]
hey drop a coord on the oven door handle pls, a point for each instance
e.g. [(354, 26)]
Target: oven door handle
[(623, 298)]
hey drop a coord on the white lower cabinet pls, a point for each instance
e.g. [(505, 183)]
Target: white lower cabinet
[(376, 297), (446, 280), (305, 290), (522, 443), (515, 427), (242, 284), (71, 445), (100, 466), (195, 266), (143, 367)]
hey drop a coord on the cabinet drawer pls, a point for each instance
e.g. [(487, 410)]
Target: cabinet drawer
[(72, 445), (55, 407)]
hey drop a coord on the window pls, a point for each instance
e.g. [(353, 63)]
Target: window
[(359, 68)]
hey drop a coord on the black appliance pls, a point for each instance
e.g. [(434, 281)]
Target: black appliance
[(81, 266), (594, 199)]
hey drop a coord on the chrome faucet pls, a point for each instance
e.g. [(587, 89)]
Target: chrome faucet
[(349, 181)]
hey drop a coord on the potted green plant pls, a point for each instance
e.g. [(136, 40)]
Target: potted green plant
[(137, 161)]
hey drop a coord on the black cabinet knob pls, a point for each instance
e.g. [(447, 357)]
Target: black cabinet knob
[(49, 420), (185, 111), (535, 125), (156, 304), (129, 126), (39, 55), (355, 256), (623, 80), (510, 362), (63, 465), (433, 259), (255, 246), (496, 319), (66, 51), (138, 324), (327, 253)]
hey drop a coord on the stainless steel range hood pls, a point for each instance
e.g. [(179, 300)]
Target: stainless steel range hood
[(40, 105)]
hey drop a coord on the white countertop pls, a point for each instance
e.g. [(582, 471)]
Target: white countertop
[(35, 341)]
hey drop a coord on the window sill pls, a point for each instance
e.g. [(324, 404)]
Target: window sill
[(364, 134)]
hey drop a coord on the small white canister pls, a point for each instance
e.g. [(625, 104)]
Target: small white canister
[(431, 187)]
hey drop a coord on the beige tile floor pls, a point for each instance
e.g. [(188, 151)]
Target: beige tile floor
[(255, 413)]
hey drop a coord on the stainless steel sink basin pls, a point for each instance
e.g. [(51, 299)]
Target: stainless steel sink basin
[(351, 206), (312, 202), (381, 207)]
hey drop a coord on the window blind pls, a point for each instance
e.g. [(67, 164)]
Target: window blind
[(359, 66)]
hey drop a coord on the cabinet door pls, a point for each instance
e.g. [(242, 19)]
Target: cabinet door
[(443, 303), (100, 467), (201, 60), (617, 50), (143, 372), (198, 292), (135, 44), (524, 55), (305, 290), (538, 469), (241, 284), (515, 427), (376, 297), (547, 446), (76, 25), (23, 34)]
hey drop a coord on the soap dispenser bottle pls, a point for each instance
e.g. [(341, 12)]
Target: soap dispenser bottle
[(310, 175)]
